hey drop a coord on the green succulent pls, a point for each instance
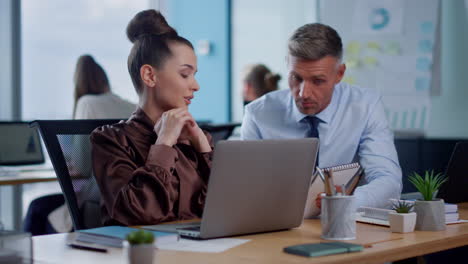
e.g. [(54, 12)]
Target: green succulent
[(428, 185), (402, 207), (140, 237)]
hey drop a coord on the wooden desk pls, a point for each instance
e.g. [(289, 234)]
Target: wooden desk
[(24, 177), (29, 177), (268, 247)]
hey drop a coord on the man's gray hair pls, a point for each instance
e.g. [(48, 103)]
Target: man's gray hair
[(314, 42)]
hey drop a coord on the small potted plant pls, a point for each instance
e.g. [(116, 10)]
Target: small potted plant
[(140, 247), (430, 211), (402, 220)]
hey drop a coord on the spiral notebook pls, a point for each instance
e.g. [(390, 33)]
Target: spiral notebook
[(347, 174)]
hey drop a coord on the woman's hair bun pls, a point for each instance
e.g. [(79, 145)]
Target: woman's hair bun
[(274, 78), (148, 22)]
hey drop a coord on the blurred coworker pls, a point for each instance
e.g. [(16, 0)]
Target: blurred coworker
[(93, 99), (258, 81)]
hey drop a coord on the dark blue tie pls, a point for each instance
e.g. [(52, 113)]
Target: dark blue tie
[(313, 123)]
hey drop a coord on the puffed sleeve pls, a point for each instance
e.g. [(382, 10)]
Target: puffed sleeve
[(134, 195)]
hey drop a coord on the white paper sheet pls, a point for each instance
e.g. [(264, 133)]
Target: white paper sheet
[(207, 246)]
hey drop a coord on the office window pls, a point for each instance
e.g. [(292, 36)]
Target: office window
[(55, 33)]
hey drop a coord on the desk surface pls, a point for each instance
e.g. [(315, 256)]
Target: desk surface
[(31, 176), (268, 247)]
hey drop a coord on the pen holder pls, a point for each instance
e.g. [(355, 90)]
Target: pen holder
[(338, 217)]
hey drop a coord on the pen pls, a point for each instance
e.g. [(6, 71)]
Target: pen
[(328, 187), (331, 183), (96, 249)]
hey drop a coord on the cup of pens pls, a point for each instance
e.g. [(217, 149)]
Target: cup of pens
[(338, 217)]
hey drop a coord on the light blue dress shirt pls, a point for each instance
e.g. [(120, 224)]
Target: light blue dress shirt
[(353, 127)]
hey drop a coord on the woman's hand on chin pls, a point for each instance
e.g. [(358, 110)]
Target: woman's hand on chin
[(195, 135), (169, 127)]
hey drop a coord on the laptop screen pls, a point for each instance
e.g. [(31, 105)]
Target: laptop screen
[(19, 144), (454, 190)]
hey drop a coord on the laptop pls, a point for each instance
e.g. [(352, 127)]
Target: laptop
[(255, 186), (20, 148), (454, 189)]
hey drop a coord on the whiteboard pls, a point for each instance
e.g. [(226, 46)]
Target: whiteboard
[(392, 46)]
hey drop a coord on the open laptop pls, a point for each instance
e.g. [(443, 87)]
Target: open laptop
[(454, 190), (255, 186), (20, 148)]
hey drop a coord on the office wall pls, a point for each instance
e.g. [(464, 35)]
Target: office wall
[(9, 90), (8, 51), (449, 114), (206, 20), (260, 30)]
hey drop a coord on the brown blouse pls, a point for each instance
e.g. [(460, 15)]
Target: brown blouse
[(142, 183)]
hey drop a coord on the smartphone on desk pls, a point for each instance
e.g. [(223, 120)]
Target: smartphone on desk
[(323, 249)]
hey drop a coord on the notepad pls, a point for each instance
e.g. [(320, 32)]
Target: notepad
[(347, 174), (113, 236)]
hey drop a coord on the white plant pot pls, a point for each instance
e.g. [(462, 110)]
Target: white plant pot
[(140, 254), (402, 223)]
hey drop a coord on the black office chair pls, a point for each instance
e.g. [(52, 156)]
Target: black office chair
[(69, 148), (68, 145), (220, 131)]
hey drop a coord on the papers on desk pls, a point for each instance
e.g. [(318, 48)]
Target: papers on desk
[(207, 246)]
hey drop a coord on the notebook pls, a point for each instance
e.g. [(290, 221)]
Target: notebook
[(379, 216), (113, 236), (348, 174)]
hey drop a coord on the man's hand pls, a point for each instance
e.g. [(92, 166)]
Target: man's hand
[(318, 199)]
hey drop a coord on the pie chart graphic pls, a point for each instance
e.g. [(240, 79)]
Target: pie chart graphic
[(379, 18)]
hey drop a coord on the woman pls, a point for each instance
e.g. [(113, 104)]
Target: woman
[(93, 96), (93, 99), (154, 167), (258, 81)]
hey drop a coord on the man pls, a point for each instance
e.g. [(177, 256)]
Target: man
[(349, 121)]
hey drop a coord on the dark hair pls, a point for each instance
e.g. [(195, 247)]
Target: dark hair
[(262, 79), (90, 78), (315, 41), (150, 35)]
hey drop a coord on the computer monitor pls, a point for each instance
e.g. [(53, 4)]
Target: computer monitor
[(19, 144), (454, 190)]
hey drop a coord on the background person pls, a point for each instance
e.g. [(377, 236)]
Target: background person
[(258, 80)]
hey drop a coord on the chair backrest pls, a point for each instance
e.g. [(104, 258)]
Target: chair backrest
[(69, 148), (220, 131)]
